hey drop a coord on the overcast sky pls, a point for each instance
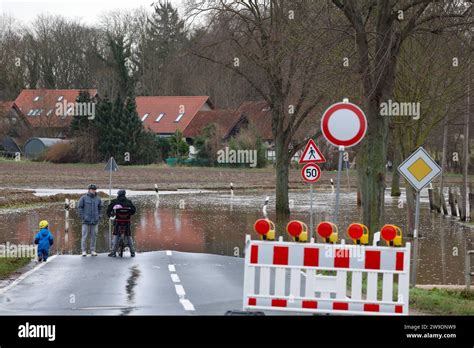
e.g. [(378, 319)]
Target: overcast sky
[(88, 11)]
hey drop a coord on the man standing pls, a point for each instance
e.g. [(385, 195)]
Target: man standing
[(90, 208)]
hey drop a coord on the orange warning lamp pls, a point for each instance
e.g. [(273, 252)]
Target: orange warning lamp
[(328, 231), (265, 228), (359, 233), (297, 230), (392, 235)]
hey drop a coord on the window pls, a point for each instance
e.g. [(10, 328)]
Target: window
[(180, 116), (60, 98), (145, 116), (49, 112), (36, 98), (35, 112), (30, 112), (40, 111), (160, 116)]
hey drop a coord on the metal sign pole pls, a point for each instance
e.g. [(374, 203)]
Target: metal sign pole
[(415, 239), (110, 195), (311, 213), (347, 172), (338, 184)]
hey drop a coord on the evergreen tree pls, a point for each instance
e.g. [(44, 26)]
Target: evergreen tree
[(165, 30), (165, 35), (81, 123)]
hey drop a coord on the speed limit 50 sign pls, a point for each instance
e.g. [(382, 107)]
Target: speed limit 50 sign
[(311, 172)]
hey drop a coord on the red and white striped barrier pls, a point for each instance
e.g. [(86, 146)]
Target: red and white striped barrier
[(313, 277)]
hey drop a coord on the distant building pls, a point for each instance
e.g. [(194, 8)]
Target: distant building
[(34, 147), (228, 123), (12, 121), (8, 147), (47, 111), (259, 117), (164, 115)]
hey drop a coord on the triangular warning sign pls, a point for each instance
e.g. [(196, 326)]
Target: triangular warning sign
[(312, 154), (111, 165)]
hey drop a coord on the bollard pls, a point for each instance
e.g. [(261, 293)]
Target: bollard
[(265, 205), (443, 203), (392, 235), (265, 229), (452, 202), (328, 231), (471, 206), (468, 272), (297, 230), (359, 233), (431, 198), (157, 203)]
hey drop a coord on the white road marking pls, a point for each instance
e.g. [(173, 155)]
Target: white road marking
[(23, 276), (187, 304), (157, 267), (180, 290)]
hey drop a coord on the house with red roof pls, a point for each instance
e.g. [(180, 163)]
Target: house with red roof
[(228, 123), (12, 121), (47, 111), (259, 118), (164, 115)]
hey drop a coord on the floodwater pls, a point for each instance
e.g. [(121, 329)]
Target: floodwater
[(216, 223)]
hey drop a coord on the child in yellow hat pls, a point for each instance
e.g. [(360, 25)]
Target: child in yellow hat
[(44, 239)]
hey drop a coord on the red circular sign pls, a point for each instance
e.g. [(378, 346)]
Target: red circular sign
[(388, 232), (355, 231), (325, 229), (294, 228), (344, 124), (311, 172), (261, 226)]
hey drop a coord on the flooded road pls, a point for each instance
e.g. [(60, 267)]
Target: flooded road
[(215, 223)]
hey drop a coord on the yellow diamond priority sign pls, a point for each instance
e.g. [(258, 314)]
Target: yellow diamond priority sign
[(419, 169)]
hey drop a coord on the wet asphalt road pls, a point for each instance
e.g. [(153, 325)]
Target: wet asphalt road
[(152, 283)]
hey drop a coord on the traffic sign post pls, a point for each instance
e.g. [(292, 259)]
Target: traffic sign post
[(338, 184), (311, 172), (419, 169), (111, 166), (343, 125), (312, 154)]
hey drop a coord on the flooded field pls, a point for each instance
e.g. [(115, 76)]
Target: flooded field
[(212, 222)]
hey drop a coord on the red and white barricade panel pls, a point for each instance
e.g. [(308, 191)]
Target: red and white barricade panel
[(326, 278)]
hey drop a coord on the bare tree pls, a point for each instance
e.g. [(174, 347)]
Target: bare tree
[(380, 28), (267, 44)]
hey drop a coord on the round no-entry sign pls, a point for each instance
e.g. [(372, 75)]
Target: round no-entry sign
[(311, 172), (344, 124)]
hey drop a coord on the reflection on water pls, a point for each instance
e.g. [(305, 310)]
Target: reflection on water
[(130, 289), (216, 223)]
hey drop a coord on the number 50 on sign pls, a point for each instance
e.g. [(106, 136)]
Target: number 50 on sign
[(311, 172)]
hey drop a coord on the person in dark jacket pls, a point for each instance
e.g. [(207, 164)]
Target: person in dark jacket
[(124, 202), (90, 209), (44, 239)]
